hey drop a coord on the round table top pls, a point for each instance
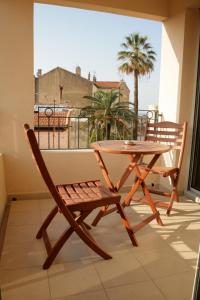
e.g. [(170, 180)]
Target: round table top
[(139, 147)]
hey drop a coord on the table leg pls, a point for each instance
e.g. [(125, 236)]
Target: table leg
[(132, 167), (128, 171), (106, 210), (140, 181), (104, 170)]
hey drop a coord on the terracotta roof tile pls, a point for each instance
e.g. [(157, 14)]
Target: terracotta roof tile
[(108, 84), (58, 119)]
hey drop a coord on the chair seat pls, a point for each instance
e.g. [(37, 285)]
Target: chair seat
[(164, 171), (86, 195)]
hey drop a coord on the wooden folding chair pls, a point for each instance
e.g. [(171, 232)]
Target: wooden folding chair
[(173, 134), (75, 201)]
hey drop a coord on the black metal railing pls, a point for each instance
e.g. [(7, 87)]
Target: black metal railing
[(60, 128)]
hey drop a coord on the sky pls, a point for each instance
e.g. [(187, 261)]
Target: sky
[(69, 37)]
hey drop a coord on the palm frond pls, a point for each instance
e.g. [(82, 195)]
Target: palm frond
[(137, 56)]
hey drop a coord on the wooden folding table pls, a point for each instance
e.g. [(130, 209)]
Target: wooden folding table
[(134, 152)]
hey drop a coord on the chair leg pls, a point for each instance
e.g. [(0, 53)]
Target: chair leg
[(174, 194), (172, 199), (91, 243), (56, 248), (127, 225), (99, 215), (82, 234), (47, 221), (86, 237), (151, 203), (84, 227), (61, 241), (170, 204)]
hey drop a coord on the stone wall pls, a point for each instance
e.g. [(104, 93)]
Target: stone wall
[(74, 88)]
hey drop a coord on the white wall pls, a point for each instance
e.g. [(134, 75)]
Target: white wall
[(158, 10), (180, 42), (3, 196), (74, 166), (17, 90)]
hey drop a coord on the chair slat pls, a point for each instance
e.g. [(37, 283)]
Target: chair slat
[(164, 132), (166, 125), (61, 190), (161, 139)]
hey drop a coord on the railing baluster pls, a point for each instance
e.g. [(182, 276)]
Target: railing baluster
[(68, 135), (78, 133), (88, 139), (58, 132), (38, 126)]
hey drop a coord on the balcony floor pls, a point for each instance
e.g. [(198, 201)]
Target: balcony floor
[(162, 267)]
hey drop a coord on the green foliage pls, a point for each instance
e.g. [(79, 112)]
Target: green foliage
[(109, 118), (137, 56)]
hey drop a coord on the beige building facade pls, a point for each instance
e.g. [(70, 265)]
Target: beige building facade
[(62, 86), (65, 87)]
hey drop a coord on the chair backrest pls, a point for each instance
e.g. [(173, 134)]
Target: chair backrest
[(169, 133), (43, 169)]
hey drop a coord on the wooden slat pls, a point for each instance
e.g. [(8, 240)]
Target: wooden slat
[(69, 189), (78, 189), (91, 184), (164, 132), (61, 190), (161, 139), (166, 125)]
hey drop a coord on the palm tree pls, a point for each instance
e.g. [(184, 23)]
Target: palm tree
[(108, 117), (138, 59)]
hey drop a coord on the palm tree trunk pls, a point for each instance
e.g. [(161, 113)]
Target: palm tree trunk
[(108, 128), (135, 122)]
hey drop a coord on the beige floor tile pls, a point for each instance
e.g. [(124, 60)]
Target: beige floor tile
[(25, 205), (137, 291), (180, 220), (57, 226), (113, 243), (23, 255), (46, 204), (187, 249), (20, 234), (161, 262), (73, 278), (122, 269), (55, 229), (149, 239), (165, 254), (186, 204), (98, 295), (23, 284), (58, 219), (193, 226), (177, 287), (18, 218), (73, 250)]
